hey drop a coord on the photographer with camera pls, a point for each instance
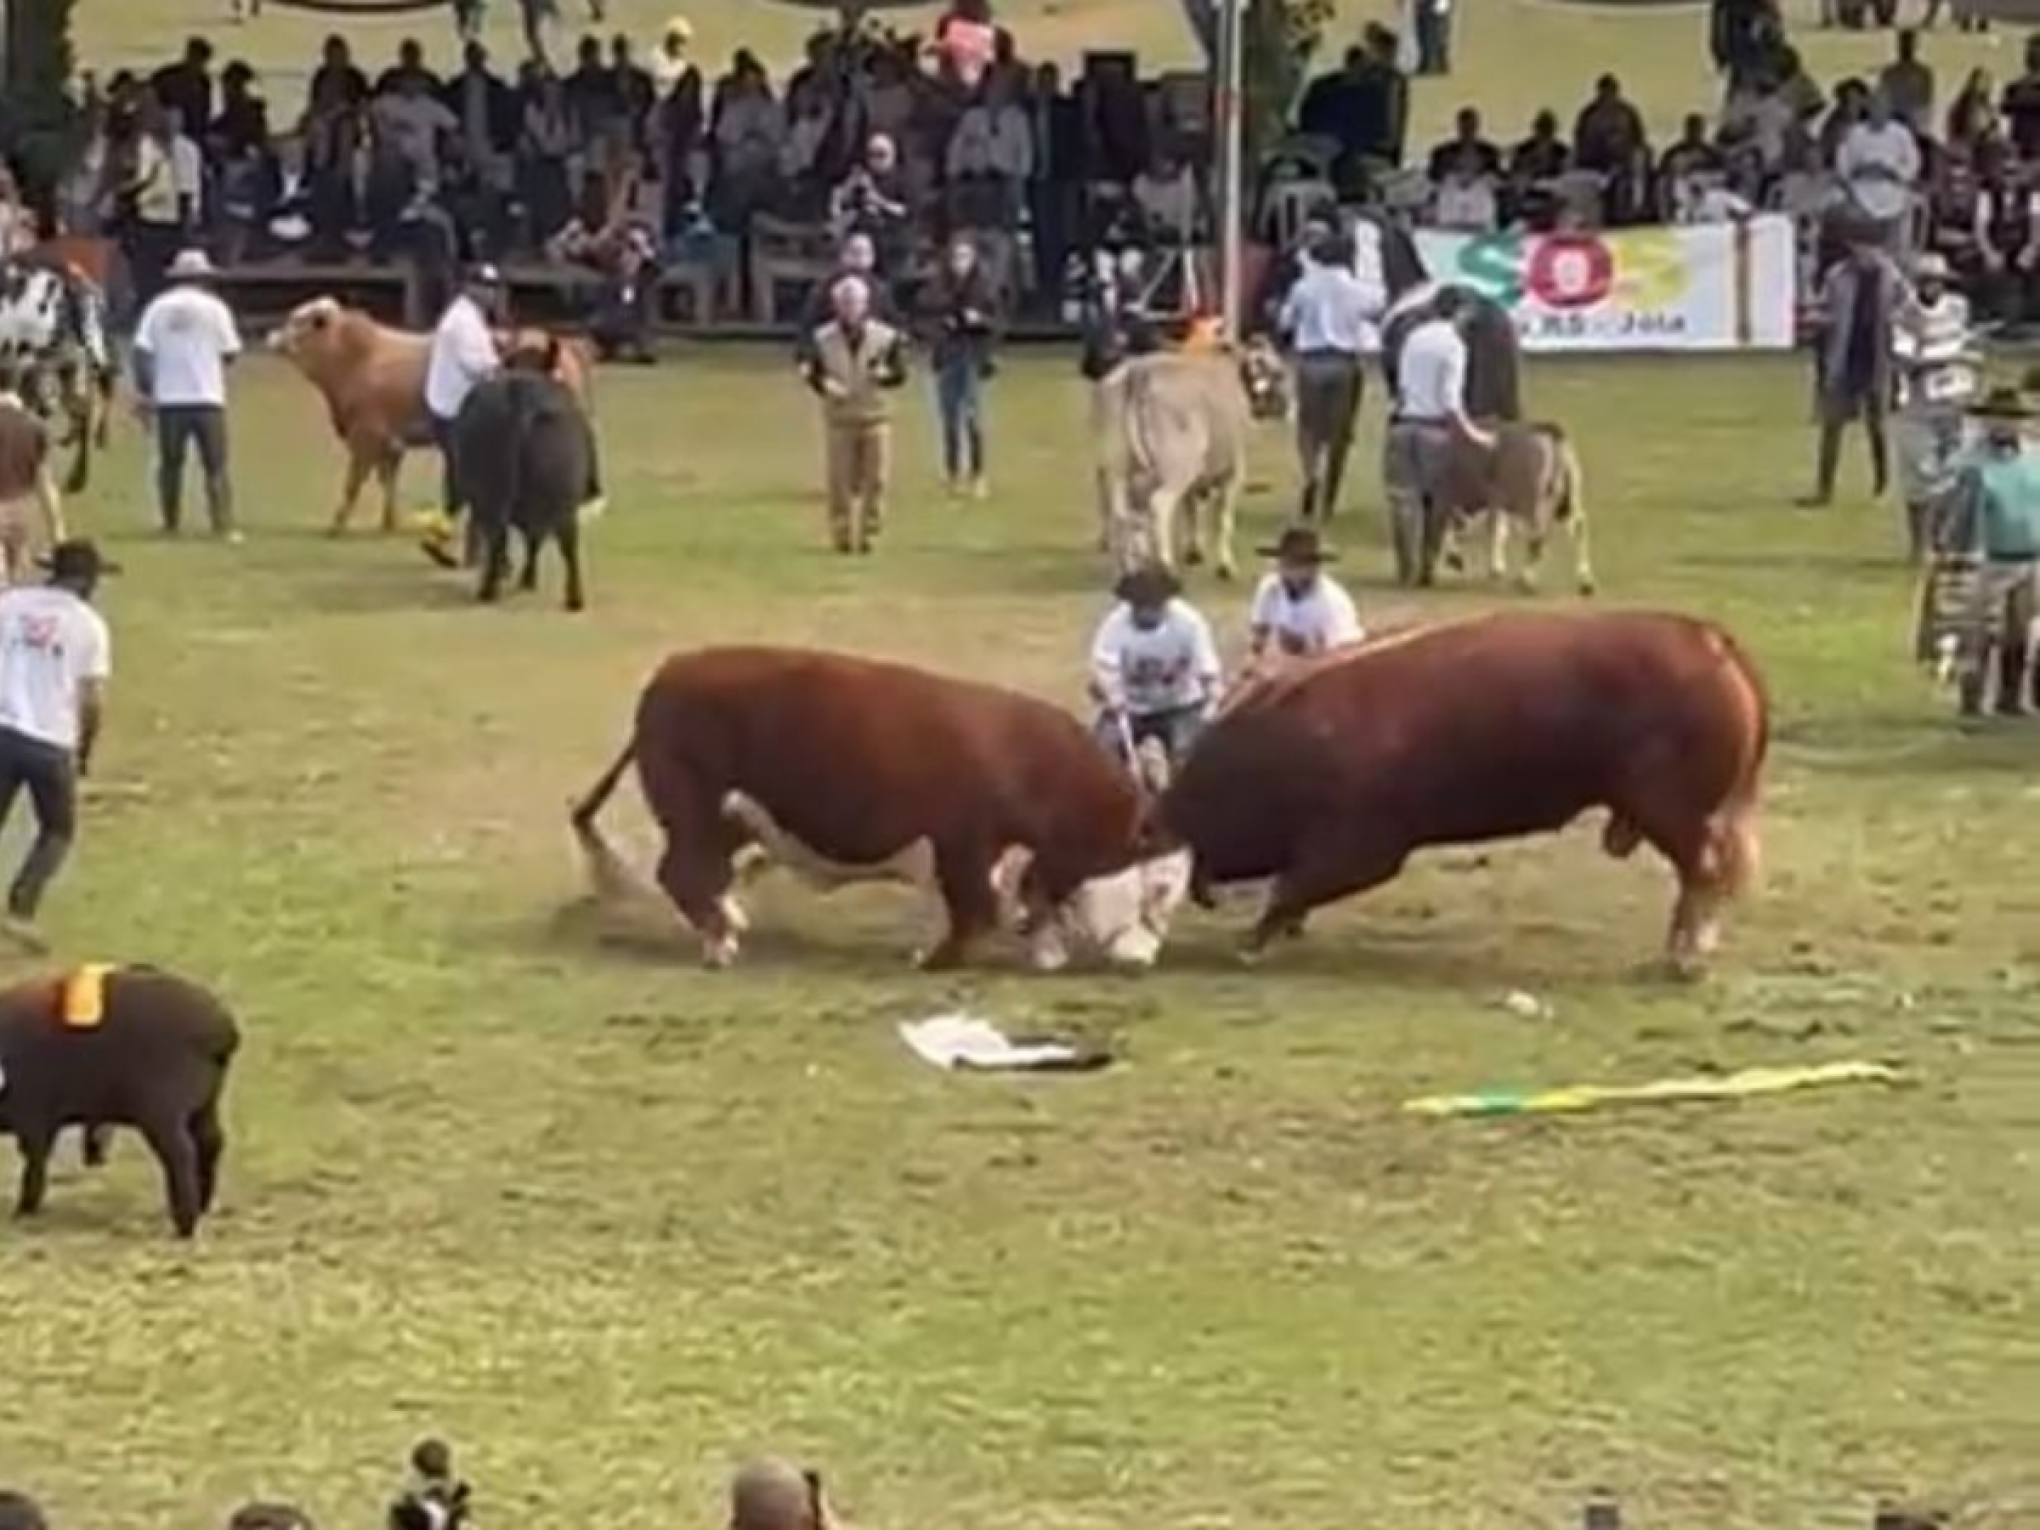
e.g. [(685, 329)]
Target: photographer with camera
[(872, 200)]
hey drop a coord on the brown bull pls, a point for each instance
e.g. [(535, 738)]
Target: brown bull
[(1527, 479), (850, 770), (372, 378), (1330, 775)]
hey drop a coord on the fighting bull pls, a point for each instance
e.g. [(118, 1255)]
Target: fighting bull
[(1172, 432), (849, 770), (53, 337), (1328, 776)]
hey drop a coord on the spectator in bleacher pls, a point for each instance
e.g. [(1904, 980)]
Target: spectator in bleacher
[(20, 1512), (990, 157), (414, 131), (1973, 114), (1364, 108), (804, 190), (83, 201), (2022, 103), (1692, 152), (187, 170), (1741, 32), (1466, 199), (242, 124), (887, 99), (1954, 192), (1468, 152), (1850, 110), (545, 145), (1879, 166), (960, 309), (1908, 84), (186, 87), (18, 232), (336, 83), (1534, 164), (1609, 140), (1167, 202), (872, 200), (1052, 193), (595, 98), (1430, 22), (747, 129), (335, 134), (679, 122), (636, 90), (152, 212), (410, 64), (2007, 239)]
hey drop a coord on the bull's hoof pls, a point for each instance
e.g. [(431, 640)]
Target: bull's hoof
[(719, 955), (1193, 558), (1526, 584), (1227, 572), (1589, 589), (576, 606)]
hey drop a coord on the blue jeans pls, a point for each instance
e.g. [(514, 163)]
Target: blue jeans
[(1174, 730), (960, 399)]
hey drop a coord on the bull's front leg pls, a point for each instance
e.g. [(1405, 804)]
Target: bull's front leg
[(386, 468), (1583, 562), (1225, 510), (358, 464), (1498, 546), (1164, 505)]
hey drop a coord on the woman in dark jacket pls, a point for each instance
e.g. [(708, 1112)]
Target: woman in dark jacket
[(960, 310)]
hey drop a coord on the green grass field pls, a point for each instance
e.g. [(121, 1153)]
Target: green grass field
[(610, 1222)]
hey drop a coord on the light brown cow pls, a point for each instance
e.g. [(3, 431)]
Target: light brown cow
[(1527, 481), (1172, 430), (373, 380)]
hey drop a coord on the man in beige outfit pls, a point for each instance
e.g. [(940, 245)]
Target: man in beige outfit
[(854, 362)]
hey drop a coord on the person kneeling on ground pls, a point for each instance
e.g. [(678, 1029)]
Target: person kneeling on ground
[(1154, 668), (771, 1495), (1299, 609)]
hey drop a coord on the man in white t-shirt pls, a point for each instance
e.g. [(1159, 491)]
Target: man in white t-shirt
[(463, 354), (1299, 609), (184, 343), (1154, 667), (55, 656), (1879, 165), (1430, 412)]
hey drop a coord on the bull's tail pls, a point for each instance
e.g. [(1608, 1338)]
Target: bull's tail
[(610, 878), (1732, 837)]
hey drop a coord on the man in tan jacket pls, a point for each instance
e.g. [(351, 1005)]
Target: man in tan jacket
[(854, 362)]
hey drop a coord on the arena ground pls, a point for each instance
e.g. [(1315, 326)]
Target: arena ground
[(609, 1222)]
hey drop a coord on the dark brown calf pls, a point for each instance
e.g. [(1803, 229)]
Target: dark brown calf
[(156, 1059)]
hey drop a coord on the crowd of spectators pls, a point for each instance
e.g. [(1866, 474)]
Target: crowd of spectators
[(1955, 172), (632, 159)]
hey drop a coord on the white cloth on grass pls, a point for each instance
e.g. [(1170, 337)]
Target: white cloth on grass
[(965, 1041)]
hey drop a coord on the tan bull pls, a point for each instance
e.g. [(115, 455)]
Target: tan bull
[(1172, 431), (1528, 481)]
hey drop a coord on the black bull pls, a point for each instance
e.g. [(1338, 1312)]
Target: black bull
[(525, 457)]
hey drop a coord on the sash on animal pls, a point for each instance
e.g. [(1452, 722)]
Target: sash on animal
[(81, 996)]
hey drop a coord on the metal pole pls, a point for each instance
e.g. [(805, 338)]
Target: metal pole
[(1231, 160)]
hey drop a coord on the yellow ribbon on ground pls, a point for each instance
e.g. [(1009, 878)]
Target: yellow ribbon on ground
[(81, 1000), (1576, 1097)]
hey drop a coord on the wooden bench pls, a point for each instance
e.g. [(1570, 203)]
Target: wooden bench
[(274, 287)]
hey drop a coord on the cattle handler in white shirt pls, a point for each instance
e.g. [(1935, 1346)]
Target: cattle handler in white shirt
[(1154, 668), (1430, 413), (184, 343), (1330, 318), (1300, 610), (55, 656), (463, 354)]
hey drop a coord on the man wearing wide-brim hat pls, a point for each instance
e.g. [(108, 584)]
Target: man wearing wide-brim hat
[(1938, 376), (1155, 672), (1994, 517), (184, 344), (1299, 609)]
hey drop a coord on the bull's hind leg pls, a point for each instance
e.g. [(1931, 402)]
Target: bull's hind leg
[(37, 1140), (386, 467), (495, 561), (1328, 868), (1582, 555), (172, 1144), (527, 577), (696, 873), (1684, 837), (1164, 505), (1225, 510), (358, 465), (209, 1139), (963, 872), (569, 534)]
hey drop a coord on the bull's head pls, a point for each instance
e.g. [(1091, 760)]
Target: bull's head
[(530, 350), (308, 328), (1265, 379)]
